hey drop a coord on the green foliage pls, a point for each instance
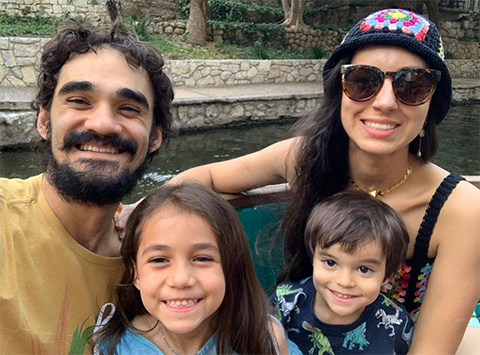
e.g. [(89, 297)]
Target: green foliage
[(247, 32), (258, 51), (318, 52), (183, 7), (321, 27), (94, 2), (140, 25), (313, 11), (39, 24), (225, 10), (173, 49), (222, 10)]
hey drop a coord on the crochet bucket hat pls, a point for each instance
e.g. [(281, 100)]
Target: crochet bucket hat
[(406, 29)]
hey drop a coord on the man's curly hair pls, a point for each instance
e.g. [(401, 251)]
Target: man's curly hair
[(81, 37)]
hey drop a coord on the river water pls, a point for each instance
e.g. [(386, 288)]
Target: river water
[(459, 148)]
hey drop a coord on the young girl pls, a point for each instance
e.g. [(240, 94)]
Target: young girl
[(189, 285)]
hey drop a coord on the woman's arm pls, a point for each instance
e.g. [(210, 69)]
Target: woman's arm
[(271, 165), (454, 286)]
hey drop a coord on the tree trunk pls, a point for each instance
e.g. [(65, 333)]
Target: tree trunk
[(286, 10), (433, 12), (197, 22), (293, 14)]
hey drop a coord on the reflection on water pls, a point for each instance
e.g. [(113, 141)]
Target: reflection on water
[(459, 149)]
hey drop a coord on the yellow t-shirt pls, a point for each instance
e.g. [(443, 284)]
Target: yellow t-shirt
[(51, 288)]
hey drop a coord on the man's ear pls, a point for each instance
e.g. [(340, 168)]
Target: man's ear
[(43, 123), (155, 139)]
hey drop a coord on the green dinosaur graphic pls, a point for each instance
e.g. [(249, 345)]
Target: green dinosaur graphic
[(356, 337), (79, 339), (284, 290), (389, 302), (319, 340)]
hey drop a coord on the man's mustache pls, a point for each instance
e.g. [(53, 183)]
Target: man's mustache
[(76, 138)]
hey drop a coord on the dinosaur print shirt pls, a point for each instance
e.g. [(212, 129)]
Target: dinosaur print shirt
[(383, 328)]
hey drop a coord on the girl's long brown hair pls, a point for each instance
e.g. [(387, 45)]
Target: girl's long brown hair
[(242, 324)]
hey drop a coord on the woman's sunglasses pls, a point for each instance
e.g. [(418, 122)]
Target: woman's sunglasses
[(412, 86)]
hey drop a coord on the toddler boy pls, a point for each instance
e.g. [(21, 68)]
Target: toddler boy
[(356, 243)]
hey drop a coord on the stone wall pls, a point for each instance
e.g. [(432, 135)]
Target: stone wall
[(238, 72), (19, 60), (20, 57), (464, 68), (221, 112), (94, 8), (162, 9)]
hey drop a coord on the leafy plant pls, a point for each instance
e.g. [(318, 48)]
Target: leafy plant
[(140, 25), (318, 52), (41, 25), (259, 51), (222, 10)]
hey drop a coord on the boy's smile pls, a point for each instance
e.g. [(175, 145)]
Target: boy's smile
[(346, 283)]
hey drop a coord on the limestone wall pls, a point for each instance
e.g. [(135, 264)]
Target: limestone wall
[(94, 8), (20, 58), (463, 68), (238, 72)]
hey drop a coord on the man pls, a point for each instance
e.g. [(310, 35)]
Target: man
[(103, 110)]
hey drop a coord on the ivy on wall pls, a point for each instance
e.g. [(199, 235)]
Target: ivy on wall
[(247, 32)]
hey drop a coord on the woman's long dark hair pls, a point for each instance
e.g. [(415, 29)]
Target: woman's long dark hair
[(323, 166), (242, 323)]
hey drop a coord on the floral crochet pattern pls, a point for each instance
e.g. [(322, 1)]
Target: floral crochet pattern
[(397, 287), (422, 283), (395, 19)]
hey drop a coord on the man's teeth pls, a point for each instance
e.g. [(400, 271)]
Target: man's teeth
[(178, 303), (379, 125), (92, 148)]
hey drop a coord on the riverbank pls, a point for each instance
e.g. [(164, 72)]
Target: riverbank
[(205, 106)]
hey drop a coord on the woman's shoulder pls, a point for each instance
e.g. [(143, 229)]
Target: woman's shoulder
[(461, 210), (464, 195), (462, 192)]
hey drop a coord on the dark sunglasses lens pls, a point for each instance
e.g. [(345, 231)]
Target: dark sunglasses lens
[(361, 83), (413, 87)]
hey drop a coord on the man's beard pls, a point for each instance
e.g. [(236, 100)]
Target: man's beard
[(91, 187)]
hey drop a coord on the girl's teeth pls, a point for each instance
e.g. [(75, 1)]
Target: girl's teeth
[(178, 303), (379, 125)]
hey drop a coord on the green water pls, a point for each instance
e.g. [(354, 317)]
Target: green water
[(459, 149)]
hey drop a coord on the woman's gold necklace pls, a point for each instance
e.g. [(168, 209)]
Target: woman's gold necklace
[(376, 193), (168, 344)]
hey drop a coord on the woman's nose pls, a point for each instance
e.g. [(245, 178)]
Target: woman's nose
[(385, 100)]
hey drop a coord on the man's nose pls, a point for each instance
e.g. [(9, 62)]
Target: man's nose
[(103, 121)]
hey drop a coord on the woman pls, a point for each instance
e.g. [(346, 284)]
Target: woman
[(386, 87)]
